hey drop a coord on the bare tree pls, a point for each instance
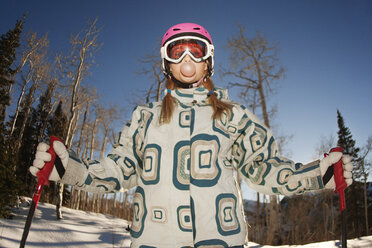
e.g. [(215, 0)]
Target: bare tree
[(37, 70), (75, 67), (325, 144), (99, 113), (366, 168), (87, 98), (84, 45), (111, 114), (153, 68), (254, 67)]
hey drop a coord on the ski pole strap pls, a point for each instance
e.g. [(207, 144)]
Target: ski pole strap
[(328, 175), (59, 167)]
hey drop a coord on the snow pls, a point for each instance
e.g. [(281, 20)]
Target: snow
[(86, 229)]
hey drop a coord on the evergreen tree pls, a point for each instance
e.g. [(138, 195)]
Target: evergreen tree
[(26, 155), (9, 185), (35, 132), (345, 139), (354, 193), (9, 42), (57, 125), (40, 126)]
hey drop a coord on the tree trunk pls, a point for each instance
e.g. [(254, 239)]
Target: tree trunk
[(78, 149), (103, 147), (365, 202), (20, 98), (92, 141), (69, 134), (75, 91), (59, 199), (27, 109), (76, 193)]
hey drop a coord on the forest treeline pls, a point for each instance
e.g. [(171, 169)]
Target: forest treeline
[(44, 94)]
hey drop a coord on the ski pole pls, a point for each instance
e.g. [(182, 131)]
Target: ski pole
[(43, 176), (340, 187)]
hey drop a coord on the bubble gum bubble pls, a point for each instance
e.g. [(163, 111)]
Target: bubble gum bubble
[(188, 69)]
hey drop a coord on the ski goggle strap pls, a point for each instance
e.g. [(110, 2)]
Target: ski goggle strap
[(175, 50)]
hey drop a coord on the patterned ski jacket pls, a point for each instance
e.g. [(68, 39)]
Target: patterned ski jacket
[(186, 194)]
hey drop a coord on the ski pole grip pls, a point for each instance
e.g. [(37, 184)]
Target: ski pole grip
[(43, 174), (339, 178)]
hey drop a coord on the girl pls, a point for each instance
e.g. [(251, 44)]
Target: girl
[(181, 155)]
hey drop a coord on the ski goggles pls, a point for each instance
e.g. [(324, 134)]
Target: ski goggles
[(176, 49)]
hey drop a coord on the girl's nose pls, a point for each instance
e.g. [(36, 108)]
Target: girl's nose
[(187, 58)]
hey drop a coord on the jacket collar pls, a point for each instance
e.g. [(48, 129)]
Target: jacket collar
[(196, 95)]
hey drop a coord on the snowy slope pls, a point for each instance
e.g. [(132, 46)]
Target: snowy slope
[(85, 229)]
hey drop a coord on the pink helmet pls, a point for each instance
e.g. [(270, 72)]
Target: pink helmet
[(183, 29), (187, 29)]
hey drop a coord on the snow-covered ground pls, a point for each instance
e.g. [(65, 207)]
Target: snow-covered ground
[(85, 229)]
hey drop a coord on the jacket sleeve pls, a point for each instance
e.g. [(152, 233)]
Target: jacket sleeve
[(115, 172), (256, 157)]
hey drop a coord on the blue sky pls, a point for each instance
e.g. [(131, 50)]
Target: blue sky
[(325, 47)]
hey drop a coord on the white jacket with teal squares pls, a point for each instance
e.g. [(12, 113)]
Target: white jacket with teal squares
[(186, 194)]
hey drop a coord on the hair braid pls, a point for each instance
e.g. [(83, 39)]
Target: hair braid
[(218, 106), (168, 103)]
